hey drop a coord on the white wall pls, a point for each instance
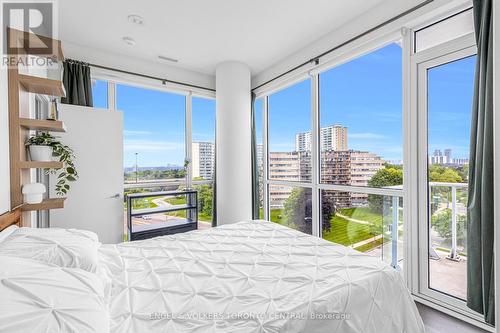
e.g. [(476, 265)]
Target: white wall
[(4, 144), (131, 64), (234, 194)]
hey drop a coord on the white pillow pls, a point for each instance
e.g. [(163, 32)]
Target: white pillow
[(7, 231), (38, 297), (62, 247)]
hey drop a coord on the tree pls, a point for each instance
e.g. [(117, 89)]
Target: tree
[(441, 222), (205, 199), (388, 176), (443, 174), (297, 212)]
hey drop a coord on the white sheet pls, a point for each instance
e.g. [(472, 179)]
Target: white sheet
[(253, 277), (40, 297)]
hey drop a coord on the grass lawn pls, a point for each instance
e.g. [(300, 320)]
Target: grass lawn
[(346, 232), (362, 213)]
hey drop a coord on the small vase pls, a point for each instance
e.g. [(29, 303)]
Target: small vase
[(41, 153)]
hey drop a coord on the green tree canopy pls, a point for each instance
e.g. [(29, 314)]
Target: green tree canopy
[(438, 173), (388, 176)]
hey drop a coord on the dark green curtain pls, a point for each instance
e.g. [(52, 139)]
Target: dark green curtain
[(77, 82), (480, 271), (255, 167)]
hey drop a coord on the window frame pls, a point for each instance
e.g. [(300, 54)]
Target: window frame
[(447, 52), (113, 78)]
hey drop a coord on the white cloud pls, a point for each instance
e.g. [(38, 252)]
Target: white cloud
[(151, 146)]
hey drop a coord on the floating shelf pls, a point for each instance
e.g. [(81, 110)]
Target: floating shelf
[(40, 165), (40, 85), (42, 125), (53, 203)]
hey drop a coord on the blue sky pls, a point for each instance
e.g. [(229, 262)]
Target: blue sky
[(365, 95), (154, 123)]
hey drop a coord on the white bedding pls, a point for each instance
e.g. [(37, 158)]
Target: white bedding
[(253, 277)]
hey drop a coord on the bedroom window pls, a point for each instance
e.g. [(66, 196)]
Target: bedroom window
[(361, 116), (161, 130)]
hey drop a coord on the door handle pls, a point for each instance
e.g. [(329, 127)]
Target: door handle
[(116, 196)]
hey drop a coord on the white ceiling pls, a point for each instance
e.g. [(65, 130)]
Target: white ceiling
[(203, 33)]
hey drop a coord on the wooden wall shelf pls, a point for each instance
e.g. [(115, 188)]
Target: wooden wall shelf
[(40, 85), (19, 122), (54, 203), (42, 125), (40, 165)]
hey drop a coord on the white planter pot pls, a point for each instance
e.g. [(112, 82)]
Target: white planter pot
[(41, 153), (33, 193)]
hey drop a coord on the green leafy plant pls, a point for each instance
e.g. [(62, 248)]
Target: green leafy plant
[(65, 155)]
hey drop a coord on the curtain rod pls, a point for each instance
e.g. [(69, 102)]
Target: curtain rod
[(315, 60), (151, 77)]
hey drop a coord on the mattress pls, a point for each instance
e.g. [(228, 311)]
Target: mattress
[(253, 276)]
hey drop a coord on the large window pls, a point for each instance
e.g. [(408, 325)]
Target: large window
[(356, 151), (159, 127), (361, 119)]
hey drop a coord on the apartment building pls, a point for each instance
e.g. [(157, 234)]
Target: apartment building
[(332, 137), (203, 159)]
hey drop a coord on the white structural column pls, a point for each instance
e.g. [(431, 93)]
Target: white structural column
[(233, 145)]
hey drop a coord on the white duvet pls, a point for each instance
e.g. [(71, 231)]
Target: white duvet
[(253, 277)]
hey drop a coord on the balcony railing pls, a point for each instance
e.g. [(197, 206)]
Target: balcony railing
[(444, 196)]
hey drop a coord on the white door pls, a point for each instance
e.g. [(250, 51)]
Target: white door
[(95, 200)]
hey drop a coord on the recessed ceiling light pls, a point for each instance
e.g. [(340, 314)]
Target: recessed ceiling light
[(136, 19), (168, 58), (129, 40)]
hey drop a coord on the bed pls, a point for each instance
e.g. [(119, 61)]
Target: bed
[(251, 276)]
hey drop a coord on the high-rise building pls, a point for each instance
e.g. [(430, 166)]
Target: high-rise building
[(203, 159), (364, 165), (332, 137), (284, 166), (439, 158)]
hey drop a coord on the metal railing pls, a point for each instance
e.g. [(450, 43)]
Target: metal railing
[(454, 213)]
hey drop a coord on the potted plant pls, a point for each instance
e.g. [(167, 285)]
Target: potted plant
[(48, 144), (40, 147)]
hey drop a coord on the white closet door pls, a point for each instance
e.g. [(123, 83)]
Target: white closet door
[(95, 201)]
